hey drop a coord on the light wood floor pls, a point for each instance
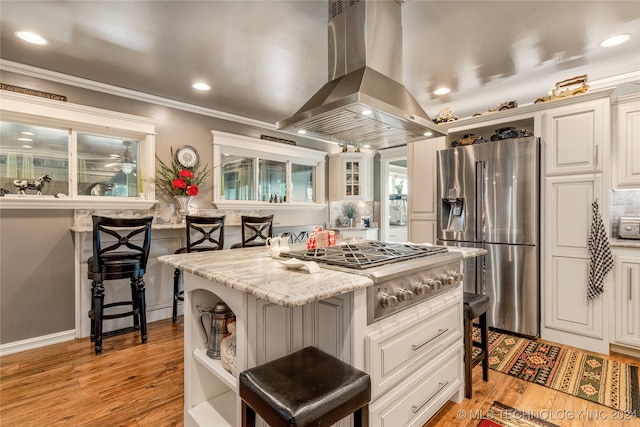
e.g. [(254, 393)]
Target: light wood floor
[(134, 384)]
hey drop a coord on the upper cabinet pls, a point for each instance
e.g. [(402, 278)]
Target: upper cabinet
[(576, 138), (351, 176), (626, 147)]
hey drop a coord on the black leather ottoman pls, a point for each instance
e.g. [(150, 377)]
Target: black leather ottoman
[(308, 387)]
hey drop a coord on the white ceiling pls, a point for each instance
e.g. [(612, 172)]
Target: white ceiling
[(264, 59)]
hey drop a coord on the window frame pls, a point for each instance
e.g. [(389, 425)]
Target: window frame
[(32, 110), (258, 149)]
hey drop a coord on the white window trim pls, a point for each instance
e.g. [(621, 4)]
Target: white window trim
[(268, 150), (45, 112)]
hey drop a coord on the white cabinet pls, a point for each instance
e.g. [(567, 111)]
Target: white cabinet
[(575, 172), (351, 177), (415, 361), (565, 264), (422, 203), (627, 297), (626, 148), (357, 233), (577, 138)]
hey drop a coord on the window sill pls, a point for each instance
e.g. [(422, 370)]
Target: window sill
[(264, 206), (51, 202)]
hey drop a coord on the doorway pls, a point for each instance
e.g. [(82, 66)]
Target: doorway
[(394, 187)]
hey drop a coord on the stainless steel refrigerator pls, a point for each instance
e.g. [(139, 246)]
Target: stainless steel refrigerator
[(489, 196)]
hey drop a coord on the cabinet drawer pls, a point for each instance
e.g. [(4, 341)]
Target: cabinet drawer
[(398, 350), (423, 395)]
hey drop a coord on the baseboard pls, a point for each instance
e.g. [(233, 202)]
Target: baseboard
[(627, 351), (37, 342)]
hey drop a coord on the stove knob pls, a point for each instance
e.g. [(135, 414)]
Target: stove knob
[(423, 288), (437, 284), (404, 294), (387, 300), (459, 277), (447, 280)]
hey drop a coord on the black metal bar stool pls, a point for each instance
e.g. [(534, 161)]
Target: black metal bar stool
[(117, 254), (308, 387), (204, 233), (475, 306)]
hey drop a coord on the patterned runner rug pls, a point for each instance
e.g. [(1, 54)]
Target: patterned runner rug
[(574, 372), (501, 415)]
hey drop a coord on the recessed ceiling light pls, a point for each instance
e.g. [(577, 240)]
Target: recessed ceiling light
[(441, 91), (25, 139), (366, 112), (27, 146), (31, 37), (428, 133), (615, 40), (302, 131), (366, 146), (201, 86), (27, 133)]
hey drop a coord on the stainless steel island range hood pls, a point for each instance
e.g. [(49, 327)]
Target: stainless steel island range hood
[(364, 104)]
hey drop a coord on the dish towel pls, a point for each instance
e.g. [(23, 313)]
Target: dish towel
[(601, 257)]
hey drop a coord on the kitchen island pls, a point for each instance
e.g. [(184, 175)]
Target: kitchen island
[(280, 310)]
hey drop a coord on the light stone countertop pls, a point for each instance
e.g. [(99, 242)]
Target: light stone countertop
[(625, 243), (468, 252), (251, 270)]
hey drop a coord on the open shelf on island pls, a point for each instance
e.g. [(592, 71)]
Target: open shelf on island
[(215, 367), (219, 411)]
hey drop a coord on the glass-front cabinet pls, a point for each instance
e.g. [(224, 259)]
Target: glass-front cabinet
[(249, 170), (59, 155), (351, 176)]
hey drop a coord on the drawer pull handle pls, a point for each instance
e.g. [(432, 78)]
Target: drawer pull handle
[(440, 332), (440, 387)]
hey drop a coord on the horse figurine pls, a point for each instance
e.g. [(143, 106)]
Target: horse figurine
[(31, 184)]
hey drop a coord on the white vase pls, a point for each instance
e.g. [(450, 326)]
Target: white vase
[(185, 206)]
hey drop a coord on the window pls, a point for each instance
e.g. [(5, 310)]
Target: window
[(259, 171), (29, 152), (238, 177), (106, 166), (92, 158), (302, 179)]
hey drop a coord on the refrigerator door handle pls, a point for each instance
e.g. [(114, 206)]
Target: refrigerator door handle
[(479, 196)]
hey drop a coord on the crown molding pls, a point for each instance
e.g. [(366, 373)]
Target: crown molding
[(28, 70)]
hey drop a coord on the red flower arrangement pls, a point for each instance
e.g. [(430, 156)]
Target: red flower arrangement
[(180, 181)]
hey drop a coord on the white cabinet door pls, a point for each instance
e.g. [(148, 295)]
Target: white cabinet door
[(627, 299), (576, 138), (568, 316), (327, 326), (278, 330), (422, 231), (627, 145), (421, 168), (351, 176)]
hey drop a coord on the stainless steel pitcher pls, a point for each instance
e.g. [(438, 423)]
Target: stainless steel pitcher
[(215, 327)]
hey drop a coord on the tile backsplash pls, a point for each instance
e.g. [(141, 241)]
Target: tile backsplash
[(623, 203)]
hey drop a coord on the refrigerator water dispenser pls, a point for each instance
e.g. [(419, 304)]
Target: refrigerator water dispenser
[(452, 214)]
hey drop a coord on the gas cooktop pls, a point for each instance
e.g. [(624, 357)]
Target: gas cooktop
[(362, 255)]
